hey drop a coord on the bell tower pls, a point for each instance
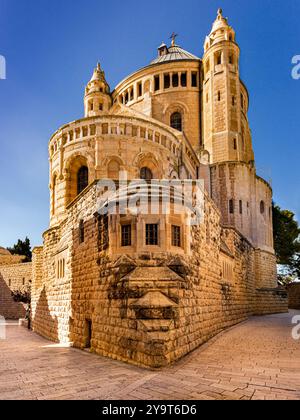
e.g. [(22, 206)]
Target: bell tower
[(97, 99), (227, 136)]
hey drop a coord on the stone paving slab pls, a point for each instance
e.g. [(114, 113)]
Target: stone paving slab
[(256, 360)]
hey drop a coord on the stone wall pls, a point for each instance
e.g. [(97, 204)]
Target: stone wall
[(11, 259), (265, 269), (238, 182), (128, 142), (294, 295), (13, 278), (161, 103), (271, 301), (148, 308)]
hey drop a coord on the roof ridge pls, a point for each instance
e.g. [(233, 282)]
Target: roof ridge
[(175, 53)]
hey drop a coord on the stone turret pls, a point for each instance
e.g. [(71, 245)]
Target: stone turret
[(97, 97), (227, 135), (221, 31), (244, 199)]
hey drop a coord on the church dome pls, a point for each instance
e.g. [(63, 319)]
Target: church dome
[(4, 251), (174, 53)]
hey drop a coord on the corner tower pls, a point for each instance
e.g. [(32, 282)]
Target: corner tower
[(245, 199), (97, 97), (225, 98)]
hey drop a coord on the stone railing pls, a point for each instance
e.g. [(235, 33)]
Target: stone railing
[(120, 126)]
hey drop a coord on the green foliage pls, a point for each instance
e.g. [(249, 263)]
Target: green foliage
[(22, 296), (296, 266), (286, 236), (284, 280), (22, 248)]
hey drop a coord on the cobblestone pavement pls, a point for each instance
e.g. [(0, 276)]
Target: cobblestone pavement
[(255, 360)]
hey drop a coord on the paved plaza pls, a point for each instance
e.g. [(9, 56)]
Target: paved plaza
[(255, 360)]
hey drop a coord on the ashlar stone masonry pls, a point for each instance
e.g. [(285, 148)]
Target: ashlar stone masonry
[(149, 288)]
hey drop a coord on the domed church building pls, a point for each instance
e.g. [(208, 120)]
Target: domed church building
[(148, 287)]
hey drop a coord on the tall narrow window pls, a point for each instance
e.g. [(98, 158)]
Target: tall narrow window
[(176, 236), (207, 67), (243, 139), (131, 94), (175, 80), (54, 196), (82, 179), (219, 96), (218, 58), (234, 144), (81, 231), (167, 81), (262, 207), (152, 234), (156, 83), (241, 206), (146, 174), (183, 80), (231, 206), (140, 90), (176, 121), (126, 235), (194, 79), (233, 100), (88, 333)]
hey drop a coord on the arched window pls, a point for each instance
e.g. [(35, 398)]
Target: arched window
[(113, 170), (218, 58), (82, 179), (176, 121), (262, 207), (146, 174)]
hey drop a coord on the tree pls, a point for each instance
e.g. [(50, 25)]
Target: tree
[(22, 296), (286, 236), (22, 248), (295, 269)]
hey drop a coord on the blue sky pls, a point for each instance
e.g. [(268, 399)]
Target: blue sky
[(51, 47)]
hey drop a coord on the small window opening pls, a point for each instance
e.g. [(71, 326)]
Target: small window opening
[(152, 234), (156, 83), (176, 236), (126, 235)]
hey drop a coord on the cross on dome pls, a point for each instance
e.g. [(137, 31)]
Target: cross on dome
[(173, 37)]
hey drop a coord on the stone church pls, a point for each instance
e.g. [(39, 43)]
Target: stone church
[(149, 288)]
